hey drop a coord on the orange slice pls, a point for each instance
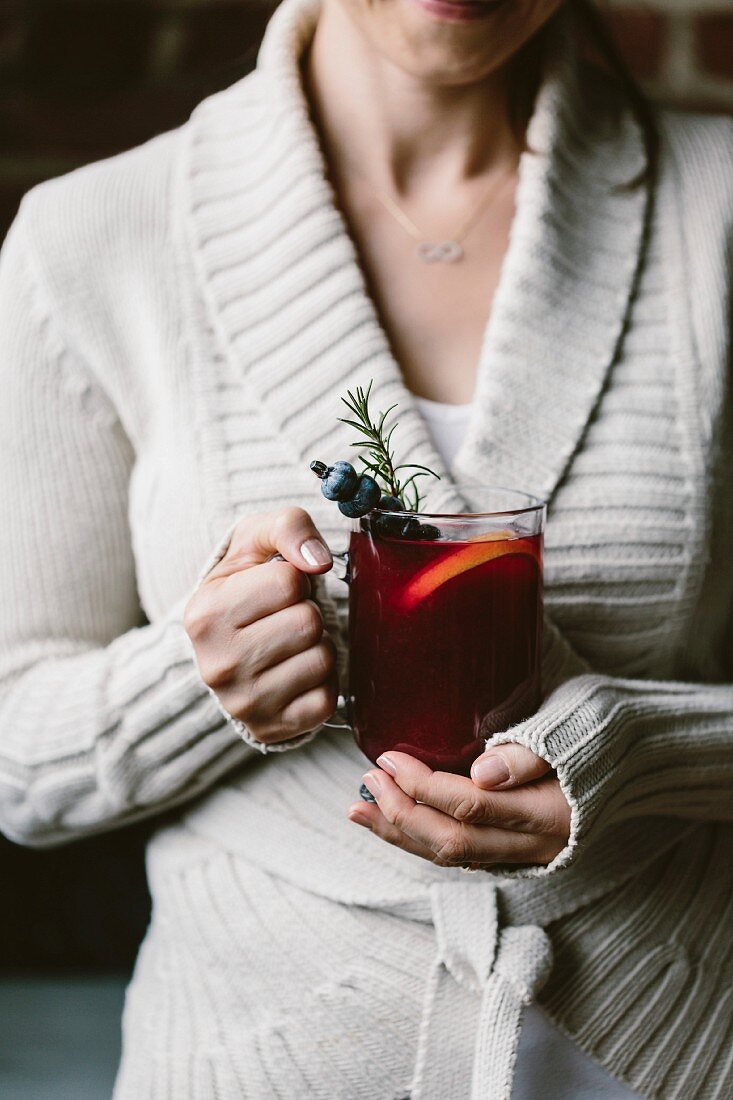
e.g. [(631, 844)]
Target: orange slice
[(472, 554)]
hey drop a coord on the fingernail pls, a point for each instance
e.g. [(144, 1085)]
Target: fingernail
[(360, 819), (315, 552), (388, 764), (372, 784), (492, 771)]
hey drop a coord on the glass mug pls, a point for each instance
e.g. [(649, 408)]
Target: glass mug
[(445, 632)]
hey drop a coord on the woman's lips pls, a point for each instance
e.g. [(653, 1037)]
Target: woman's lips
[(459, 11)]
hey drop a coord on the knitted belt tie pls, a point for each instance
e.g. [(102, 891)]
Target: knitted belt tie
[(481, 981)]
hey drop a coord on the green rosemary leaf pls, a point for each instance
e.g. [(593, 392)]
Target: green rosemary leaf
[(380, 460), (413, 501), (410, 481), (417, 466), (375, 467), (383, 417), (352, 423)]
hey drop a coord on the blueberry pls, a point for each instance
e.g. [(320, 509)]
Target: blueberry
[(396, 526), (428, 531), (391, 504), (411, 528), (388, 525), (363, 500), (365, 794), (338, 482)]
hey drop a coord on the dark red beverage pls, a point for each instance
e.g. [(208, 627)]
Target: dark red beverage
[(445, 642)]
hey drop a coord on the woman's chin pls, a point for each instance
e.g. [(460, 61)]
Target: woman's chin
[(450, 42), (446, 42)]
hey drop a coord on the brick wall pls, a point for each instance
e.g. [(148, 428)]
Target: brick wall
[(80, 79), (681, 50)]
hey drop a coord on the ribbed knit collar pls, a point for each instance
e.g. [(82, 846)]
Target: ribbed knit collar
[(288, 300)]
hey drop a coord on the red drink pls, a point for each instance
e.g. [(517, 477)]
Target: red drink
[(445, 642)]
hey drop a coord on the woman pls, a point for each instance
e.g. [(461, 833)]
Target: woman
[(177, 327)]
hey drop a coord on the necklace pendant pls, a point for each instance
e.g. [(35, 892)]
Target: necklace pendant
[(447, 252)]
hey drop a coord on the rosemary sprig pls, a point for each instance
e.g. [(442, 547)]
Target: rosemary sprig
[(380, 463)]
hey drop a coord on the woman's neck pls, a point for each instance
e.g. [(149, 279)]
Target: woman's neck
[(399, 132)]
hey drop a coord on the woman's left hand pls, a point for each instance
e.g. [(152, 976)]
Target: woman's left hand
[(485, 821)]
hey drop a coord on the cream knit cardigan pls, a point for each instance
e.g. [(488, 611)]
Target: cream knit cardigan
[(176, 327)]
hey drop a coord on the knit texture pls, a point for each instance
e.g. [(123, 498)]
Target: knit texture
[(176, 327)]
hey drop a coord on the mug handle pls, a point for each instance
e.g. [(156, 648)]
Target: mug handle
[(343, 705)]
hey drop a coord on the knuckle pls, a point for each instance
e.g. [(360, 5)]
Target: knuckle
[(286, 519), (287, 582), (220, 672), (309, 622), (288, 725), (469, 808), (399, 816), (266, 734), (323, 660), (548, 813), (323, 703), (307, 713), (247, 708), (451, 849), (198, 619)]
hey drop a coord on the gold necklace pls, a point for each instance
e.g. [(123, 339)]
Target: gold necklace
[(448, 251)]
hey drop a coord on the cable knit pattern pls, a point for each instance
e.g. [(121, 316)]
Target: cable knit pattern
[(102, 719), (176, 327)]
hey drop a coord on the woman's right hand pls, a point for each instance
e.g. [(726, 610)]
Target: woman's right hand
[(259, 640)]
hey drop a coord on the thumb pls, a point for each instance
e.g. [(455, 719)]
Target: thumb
[(505, 766), (289, 532)]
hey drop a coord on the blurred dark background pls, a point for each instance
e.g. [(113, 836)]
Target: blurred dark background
[(80, 80)]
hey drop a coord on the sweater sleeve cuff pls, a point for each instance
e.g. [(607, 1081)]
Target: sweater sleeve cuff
[(570, 731), (548, 734)]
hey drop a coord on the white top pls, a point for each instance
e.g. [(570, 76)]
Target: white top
[(447, 425), (549, 1065), (177, 326)]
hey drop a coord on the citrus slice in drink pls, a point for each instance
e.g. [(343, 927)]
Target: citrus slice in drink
[(466, 556)]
